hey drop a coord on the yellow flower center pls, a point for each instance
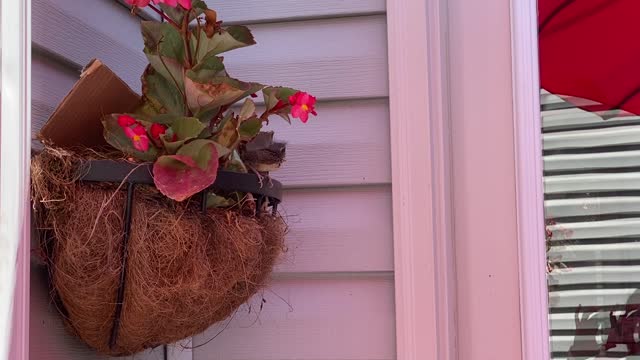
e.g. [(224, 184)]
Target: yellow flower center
[(136, 137), (305, 107)]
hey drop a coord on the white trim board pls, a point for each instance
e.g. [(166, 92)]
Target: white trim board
[(529, 185), (424, 257), (15, 140)]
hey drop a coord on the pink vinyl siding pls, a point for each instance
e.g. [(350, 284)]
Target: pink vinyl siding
[(332, 294)]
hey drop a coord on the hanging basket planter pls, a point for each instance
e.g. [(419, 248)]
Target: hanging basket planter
[(157, 213), (131, 269)]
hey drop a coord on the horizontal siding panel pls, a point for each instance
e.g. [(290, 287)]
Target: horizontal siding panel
[(592, 206), (623, 135), (595, 275), (50, 82), (348, 143), (342, 230), (598, 252), (309, 320), (591, 182), (596, 229), (253, 11), (50, 340), (107, 32), (325, 57), (604, 160)]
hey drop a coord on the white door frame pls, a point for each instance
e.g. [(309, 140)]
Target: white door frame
[(421, 155), (420, 161), (529, 178), (15, 148)]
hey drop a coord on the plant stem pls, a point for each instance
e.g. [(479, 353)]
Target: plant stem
[(216, 119), (198, 32), (186, 37), (171, 74), (164, 16)]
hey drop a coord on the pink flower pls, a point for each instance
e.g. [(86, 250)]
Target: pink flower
[(302, 104), (138, 3), (173, 3), (185, 4), (278, 106), (126, 120), (139, 137), (157, 130)]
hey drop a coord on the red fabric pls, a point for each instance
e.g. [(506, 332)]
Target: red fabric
[(591, 49)]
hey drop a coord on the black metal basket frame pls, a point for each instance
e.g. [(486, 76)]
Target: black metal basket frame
[(133, 174)]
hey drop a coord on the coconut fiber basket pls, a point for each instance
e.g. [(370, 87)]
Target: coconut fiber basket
[(129, 268)]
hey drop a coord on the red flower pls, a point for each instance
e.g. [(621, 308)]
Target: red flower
[(139, 137), (279, 105), (157, 129), (173, 3), (302, 104), (126, 120), (138, 3)]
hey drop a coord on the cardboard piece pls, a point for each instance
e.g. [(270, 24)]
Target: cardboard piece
[(76, 123)]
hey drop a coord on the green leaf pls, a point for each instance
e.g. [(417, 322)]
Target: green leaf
[(147, 109), (218, 92), (222, 150), (160, 94), (250, 128), (228, 135), (285, 116), (163, 39), (207, 115), (273, 94), (171, 147), (200, 151), (187, 128), (248, 110), (216, 201), (164, 49), (235, 163), (165, 119), (170, 69), (181, 130), (232, 37), (208, 69), (213, 64), (116, 137)]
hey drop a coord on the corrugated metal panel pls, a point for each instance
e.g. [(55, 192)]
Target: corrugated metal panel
[(592, 185)]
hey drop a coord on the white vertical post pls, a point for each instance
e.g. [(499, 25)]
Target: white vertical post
[(15, 143), (530, 193)]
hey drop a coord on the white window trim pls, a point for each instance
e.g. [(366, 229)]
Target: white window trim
[(15, 148), (529, 181), (420, 152)]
